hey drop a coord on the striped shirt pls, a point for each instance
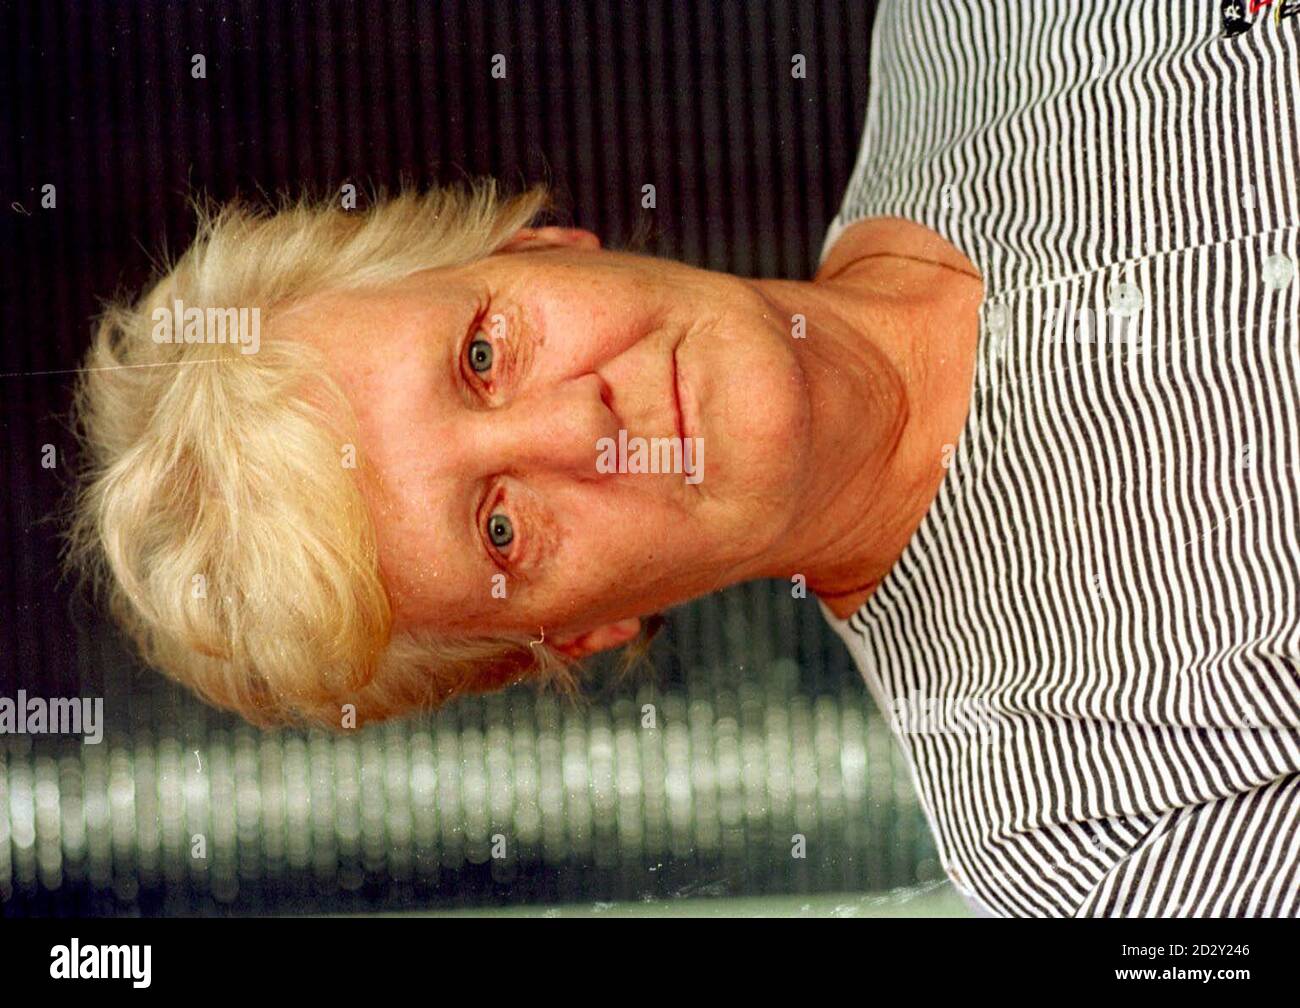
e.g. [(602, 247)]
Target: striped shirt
[(1090, 649)]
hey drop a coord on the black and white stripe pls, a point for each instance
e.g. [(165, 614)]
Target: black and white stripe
[(1092, 644)]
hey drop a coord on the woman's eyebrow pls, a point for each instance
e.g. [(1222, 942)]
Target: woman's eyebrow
[(477, 494), (456, 336)]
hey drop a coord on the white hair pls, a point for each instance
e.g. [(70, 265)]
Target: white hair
[(214, 511)]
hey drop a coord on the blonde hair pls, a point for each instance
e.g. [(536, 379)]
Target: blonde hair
[(214, 510)]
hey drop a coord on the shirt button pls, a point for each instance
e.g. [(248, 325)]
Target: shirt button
[(995, 320), (1125, 299), (1278, 271)]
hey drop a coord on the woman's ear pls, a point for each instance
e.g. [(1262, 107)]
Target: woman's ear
[(611, 635), (528, 238)]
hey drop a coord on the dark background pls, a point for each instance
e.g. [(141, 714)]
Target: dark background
[(599, 99)]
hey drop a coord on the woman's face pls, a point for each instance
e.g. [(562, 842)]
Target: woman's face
[(483, 393)]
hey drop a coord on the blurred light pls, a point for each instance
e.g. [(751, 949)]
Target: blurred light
[(724, 776)]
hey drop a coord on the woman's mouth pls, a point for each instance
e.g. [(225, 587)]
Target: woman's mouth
[(681, 401), (677, 399)]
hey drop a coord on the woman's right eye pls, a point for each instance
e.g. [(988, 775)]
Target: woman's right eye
[(501, 531), (480, 355)]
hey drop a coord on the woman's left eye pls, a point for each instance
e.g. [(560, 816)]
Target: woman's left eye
[(480, 355)]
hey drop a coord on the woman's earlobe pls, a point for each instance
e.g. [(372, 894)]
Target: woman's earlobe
[(526, 239), (611, 635)]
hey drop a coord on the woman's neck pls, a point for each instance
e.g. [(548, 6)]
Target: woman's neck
[(888, 357)]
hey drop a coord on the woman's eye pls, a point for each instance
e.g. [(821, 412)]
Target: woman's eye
[(500, 531), (480, 355)]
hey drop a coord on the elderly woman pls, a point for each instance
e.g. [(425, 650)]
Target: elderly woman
[(1030, 434)]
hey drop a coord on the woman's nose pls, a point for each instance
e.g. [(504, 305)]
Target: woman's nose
[(556, 428)]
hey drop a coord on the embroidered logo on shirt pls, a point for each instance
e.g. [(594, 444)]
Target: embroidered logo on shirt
[(1238, 14)]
